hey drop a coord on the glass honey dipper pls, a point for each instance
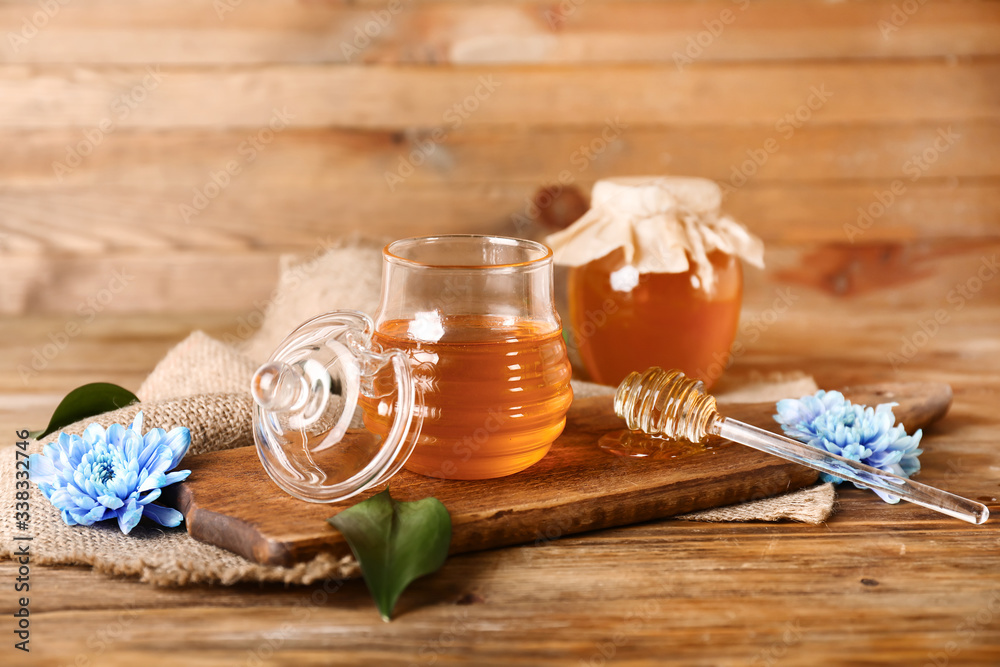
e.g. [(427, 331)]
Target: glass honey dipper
[(670, 405)]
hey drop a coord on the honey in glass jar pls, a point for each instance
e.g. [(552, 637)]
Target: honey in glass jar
[(462, 373), (475, 317), (656, 319), (494, 395), (655, 279)]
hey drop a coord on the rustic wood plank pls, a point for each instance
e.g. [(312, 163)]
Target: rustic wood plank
[(761, 568), (875, 274), (303, 159), (878, 583), (37, 224), (87, 286), (270, 31), (390, 97)]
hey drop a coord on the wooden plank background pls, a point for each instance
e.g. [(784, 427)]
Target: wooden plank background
[(161, 95)]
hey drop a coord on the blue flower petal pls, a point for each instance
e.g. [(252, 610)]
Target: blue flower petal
[(160, 461), (828, 421), (115, 434), (111, 502), (153, 481), (148, 449), (176, 476), (94, 434), (96, 514), (887, 497), (150, 497), (178, 440), (84, 502), (129, 516), (164, 516), (104, 473), (62, 498), (136, 426), (41, 469)]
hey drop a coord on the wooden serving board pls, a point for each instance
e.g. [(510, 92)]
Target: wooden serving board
[(229, 501)]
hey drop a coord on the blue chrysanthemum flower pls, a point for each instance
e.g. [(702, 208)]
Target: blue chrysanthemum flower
[(104, 474), (830, 422)]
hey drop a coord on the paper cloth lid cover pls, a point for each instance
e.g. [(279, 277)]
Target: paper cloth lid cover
[(663, 223)]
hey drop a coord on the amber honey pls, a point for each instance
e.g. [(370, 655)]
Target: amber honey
[(622, 323), (493, 395)]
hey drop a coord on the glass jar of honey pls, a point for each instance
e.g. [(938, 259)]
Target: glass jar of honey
[(462, 374), (655, 279)]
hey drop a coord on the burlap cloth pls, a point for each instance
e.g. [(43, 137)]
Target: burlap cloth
[(203, 383)]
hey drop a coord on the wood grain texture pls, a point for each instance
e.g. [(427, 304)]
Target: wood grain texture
[(577, 487), (877, 584), (383, 96), (461, 33), (300, 159), (91, 221), (878, 275), (352, 124)]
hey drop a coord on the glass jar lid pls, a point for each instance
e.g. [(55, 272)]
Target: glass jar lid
[(334, 414)]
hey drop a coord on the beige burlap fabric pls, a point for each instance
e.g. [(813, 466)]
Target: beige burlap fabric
[(157, 555), (198, 364), (813, 505), (202, 384), (347, 276)]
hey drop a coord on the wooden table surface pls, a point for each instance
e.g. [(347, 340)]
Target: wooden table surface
[(875, 584)]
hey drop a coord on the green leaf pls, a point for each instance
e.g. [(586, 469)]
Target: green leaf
[(395, 543), (91, 399)]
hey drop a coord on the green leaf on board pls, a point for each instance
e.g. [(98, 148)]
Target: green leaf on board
[(395, 543), (87, 401)]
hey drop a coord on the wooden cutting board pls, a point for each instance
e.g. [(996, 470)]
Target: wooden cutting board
[(229, 501)]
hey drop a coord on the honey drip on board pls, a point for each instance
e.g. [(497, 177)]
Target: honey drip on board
[(493, 395), (663, 319)]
